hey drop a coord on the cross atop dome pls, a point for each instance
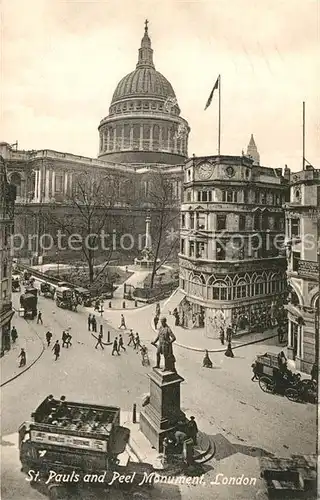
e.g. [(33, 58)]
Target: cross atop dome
[(145, 52)]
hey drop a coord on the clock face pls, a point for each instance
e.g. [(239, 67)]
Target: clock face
[(205, 171)]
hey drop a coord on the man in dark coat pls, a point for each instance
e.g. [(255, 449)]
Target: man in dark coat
[(192, 430), (14, 334), (115, 346), (94, 323), (100, 341), (56, 350), (48, 337), (120, 343), (165, 338), (23, 358), (89, 322), (131, 337), (39, 318)]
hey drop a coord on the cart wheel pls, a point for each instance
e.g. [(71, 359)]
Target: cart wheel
[(267, 384), (292, 394)]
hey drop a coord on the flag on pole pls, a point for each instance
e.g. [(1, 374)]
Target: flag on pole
[(216, 86)]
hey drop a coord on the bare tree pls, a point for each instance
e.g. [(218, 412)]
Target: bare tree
[(163, 203), (91, 203)]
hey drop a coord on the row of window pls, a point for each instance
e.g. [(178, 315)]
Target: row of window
[(258, 197), (256, 248), (141, 105), (198, 220), (224, 292)]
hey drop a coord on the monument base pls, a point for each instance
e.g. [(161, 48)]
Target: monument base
[(161, 415)]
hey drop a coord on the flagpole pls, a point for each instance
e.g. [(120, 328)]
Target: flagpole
[(303, 134), (219, 125)]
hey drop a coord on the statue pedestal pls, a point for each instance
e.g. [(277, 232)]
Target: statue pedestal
[(163, 412)]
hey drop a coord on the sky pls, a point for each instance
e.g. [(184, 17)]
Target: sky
[(61, 62)]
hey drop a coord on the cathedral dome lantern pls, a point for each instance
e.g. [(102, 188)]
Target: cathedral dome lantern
[(144, 123)]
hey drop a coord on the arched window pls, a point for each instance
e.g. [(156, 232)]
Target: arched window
[(241, 289), (259, 286), (220, 291)]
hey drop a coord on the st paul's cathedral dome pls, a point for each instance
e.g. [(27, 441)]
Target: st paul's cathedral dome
[(144, 123)]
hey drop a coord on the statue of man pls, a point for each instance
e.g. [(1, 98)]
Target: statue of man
[(165, 338)]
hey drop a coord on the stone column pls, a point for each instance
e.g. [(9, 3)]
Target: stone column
[(175, 146), (169, 139), (151, 138), (131, 136), (160, 138), (114, 138), (70, 183), (35, 185), (122, 137), (46, 194), (65, 183), (290, 333), (53, 184), (39, 185), (141, 138), (299, 343)]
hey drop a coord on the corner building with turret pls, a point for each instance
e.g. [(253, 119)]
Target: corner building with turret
[(232, 269)]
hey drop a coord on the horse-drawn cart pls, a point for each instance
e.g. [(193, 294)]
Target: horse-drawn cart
[(276, 378)]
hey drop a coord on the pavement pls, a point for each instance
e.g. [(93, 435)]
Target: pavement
[(29, 340)]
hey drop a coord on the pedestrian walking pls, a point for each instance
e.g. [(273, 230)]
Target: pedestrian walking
[(64, 338), (39, 318), (122, 322), (56, 350), (97, 305), (254, 367), (156, 321), (48, 337), (89, 322), (221, 335), (158, 309), (206, 363), (120, 343), (192, 430), (137, 344), (100, 341), (23, 358), (115, 347), (14, 334), (131, 337), (229, 352), (94, 323), (229, 333), (69, 340)]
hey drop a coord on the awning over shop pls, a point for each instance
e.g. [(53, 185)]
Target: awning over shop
[(173, 301)]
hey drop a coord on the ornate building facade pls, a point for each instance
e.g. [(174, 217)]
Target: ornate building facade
[(7, 199), (232, 226), (302, 236), (143, 134)]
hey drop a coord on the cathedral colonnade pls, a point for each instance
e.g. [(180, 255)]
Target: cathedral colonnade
[(137, 136)]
